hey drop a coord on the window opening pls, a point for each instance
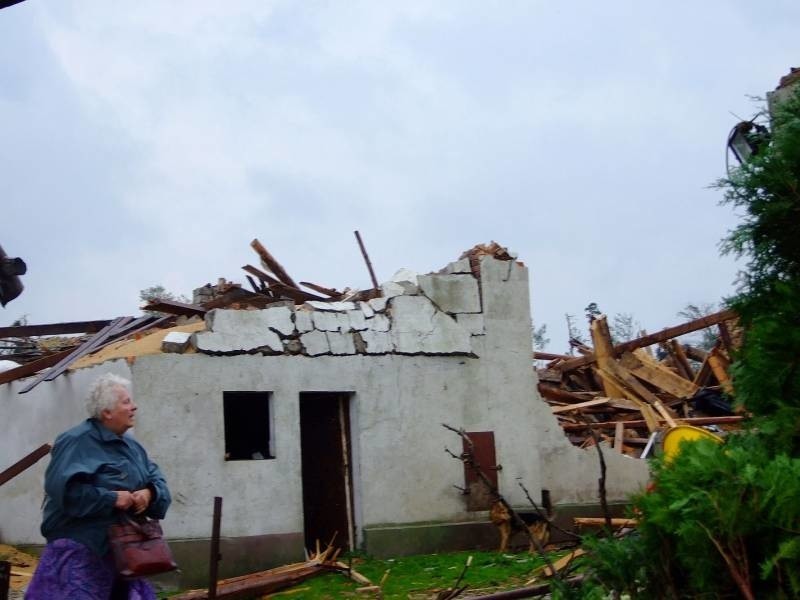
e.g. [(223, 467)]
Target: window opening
[(247, 425)]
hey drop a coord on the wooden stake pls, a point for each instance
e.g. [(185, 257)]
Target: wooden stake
[(366, 259), (213, 564)]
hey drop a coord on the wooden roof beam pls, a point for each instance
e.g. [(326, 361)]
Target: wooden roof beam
[(654, 338)]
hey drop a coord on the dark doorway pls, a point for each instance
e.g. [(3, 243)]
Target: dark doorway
[(327, 476)]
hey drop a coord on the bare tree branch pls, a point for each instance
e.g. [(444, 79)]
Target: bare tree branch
[(468, 458)]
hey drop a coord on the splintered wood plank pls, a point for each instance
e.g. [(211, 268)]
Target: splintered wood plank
[(330, 292), (604, 351), (648, 369), (587, 404), (647, 413), (631, 381), (558, 395), (695, 354), (601, 522), (619, 435), (679, 356), (269, 263), (719, 365)]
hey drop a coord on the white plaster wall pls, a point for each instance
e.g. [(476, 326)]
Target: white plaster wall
[(403, 474)]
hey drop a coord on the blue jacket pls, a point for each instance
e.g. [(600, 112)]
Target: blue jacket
[(87, 464)]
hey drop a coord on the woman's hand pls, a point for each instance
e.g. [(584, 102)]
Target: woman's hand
[(124, 500), (141, 500)]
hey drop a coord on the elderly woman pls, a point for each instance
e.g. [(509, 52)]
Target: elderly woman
[(95, 472)]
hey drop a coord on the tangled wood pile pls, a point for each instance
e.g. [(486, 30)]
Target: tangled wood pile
[(626, 394)]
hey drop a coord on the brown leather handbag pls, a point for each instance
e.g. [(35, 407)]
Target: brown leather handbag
[(139, 548)]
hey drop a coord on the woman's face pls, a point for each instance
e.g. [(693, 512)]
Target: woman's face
[(123, 415)]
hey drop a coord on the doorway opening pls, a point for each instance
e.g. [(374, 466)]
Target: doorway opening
[(326, 452)]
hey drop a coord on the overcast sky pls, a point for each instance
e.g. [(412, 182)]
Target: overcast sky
[(148, 143)]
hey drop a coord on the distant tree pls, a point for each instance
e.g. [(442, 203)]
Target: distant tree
[(576, 336), (159, 292), (540, 339), (623, 327), (592, 311)]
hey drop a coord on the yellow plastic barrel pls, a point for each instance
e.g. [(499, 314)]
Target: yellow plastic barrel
[(681, 433)]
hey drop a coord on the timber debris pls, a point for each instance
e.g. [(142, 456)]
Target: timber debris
[(296, 317), (629, 393)]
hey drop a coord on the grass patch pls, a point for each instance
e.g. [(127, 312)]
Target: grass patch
[(420, 577)]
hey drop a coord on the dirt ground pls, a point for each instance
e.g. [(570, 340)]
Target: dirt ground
[(22, 568)]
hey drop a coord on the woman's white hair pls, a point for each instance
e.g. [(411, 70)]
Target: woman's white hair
[(102, 395)]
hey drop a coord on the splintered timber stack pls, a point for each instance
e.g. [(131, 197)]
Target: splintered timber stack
[(626, 393)]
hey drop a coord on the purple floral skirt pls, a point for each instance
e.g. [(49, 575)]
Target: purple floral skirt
[(69, 570)]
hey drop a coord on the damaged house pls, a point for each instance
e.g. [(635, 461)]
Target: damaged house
[(320, 417)]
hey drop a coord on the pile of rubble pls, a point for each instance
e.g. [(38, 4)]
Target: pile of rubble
[(626, 394), (411, 314)]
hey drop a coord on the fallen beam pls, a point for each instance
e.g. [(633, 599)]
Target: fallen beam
[(173, 307), (24, 463), (596, 402), (550, 356), (642, 423), (654, 338), (601, 522), (34, 367), (270, 263), (53, 329)]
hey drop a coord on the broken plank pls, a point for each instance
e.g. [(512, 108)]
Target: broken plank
[(265, 277), (719, 365), (619, 434), (620, 372), (647, 369), (695, 354), (579, 405), (550, 356), (53, 329), (330, 292), (679, 359), (269, 262), (558, 395), (644, 408), (34, 367), (601, 522), (604, 353), (728, 420), (654, 338), (173, 307), (88, 346)]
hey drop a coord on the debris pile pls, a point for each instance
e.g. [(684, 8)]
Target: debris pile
[(626, 394), (411, 314)]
